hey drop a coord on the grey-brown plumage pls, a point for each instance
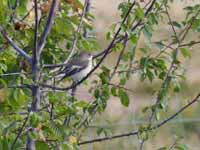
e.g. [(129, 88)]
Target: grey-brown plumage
[(78, 67)]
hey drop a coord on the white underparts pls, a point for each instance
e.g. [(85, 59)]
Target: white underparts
[(80, 75)]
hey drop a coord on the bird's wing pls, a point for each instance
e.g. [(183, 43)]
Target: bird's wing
[(72, 68)]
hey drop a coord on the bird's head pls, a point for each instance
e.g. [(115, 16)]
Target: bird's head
[(85, 55)]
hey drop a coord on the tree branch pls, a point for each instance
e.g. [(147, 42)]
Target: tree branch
[(101, 60), (20, 131), (190, 43), (12, 74), (11, 42), (132, 29), (35, 53), (54, 65), (48, 26), (78, 30), (16, 86), (119, 58), (74, 41), (152, 128)]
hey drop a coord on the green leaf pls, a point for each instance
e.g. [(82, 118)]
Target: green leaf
[(118, 46), (52, 97), (177, 87), (41, 145), (122, 81), (162, 75), (150, 75), (105, 131), (152, 18), (34, 119), (139, 13), (99, 131), (81, 104), (32, 135), (181, 147), (157, 115), (96, 93), (5, 144), (124, 98), (67, 146), (114, 91), (17, 98), (162, 148), (63, 26), (3, 67), (22, 8), (147, 31), (176, 24), (9, 128), (2, 11), (56, 128), (185, 52), (159, 44), (104, 78), (196, 25), (124, 6), (143, 133), (105, 92), (3, 82), (109, 35)]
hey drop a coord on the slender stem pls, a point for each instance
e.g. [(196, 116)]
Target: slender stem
[(35, 106), (11, 74), (132, 29), (48, 26), (13, 44), (101, 60), (20, 132), (87, 10), (119, 58), (77, 32), (196, 99), (38, 46)]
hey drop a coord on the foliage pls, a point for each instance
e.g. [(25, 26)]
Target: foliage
[(62, 119)]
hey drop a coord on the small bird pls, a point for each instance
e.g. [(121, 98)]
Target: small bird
[(77, 68)]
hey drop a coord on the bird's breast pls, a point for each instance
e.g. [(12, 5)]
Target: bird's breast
[(80, 75)]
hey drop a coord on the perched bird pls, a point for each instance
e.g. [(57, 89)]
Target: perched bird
[(77, 68)]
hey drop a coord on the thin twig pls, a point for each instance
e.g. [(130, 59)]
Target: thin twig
[(48, 25), (12, 74), (88, 7), (196, 99), (72, 51), (11, 42), (13, 113), (16, 86), (171, 68), (15, 4), (119, 57), (20, 131), (132, 29), (28, 13), (36, 29), (102, 58), (121, 87), (192, 43), (54, 65)]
